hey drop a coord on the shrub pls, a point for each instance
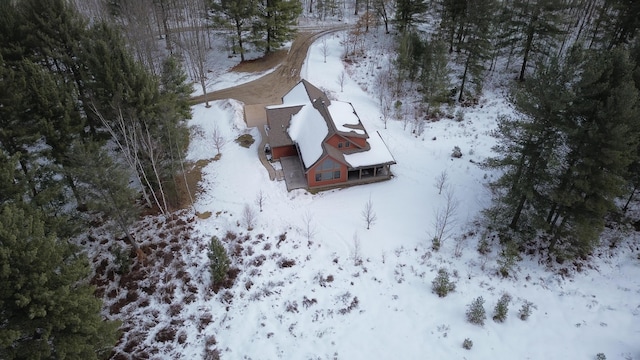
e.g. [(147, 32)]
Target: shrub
[(483, 246), (435, 243), (441, 285), (219, 261), (502, 308), (245, 140), (122, 260), (601, 356), (467, 344), (475, 312), (508, 257), (456, 153), (525, 310)]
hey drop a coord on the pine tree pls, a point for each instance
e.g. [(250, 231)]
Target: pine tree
[(475, 43), (407, 11), (531, 28), (528, 147), (602, 139), (104, 184), (434, 75), (47, 309), (239, 14), (274, 24), (219, 261), (475, 311), (453, 14)]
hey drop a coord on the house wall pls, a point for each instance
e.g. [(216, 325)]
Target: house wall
[(362, 142), (336, 139), (316, 169), (282, 151)]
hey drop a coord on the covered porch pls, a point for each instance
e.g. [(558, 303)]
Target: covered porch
[(369, 173)]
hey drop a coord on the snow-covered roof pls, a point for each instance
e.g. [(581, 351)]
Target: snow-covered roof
[(309, 129), (377, 154), (343, 114), (282, 106), (297, 95)]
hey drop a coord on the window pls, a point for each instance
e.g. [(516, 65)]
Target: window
[(347, 144), (329, 169), (339, 145)]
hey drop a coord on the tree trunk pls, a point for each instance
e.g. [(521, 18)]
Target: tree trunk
[(464, 78), (527, 48), (239, 33), (626, 205)]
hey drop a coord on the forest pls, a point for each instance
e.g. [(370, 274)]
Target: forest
[(94, 105)]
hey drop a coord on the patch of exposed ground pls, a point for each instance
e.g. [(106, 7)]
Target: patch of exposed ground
[(261, 64)]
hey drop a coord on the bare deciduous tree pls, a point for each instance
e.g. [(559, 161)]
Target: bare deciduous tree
[(385, 111), (445, 217), (308, 226), (357, 252), (341, 79), (368, 214), (248, 216), (218, 139), (441, 181), (324, 48), (260, 199), (194, 42)]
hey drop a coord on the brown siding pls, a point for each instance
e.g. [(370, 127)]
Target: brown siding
[(361, 142), (283, 151), (336, 139), (311, 175)]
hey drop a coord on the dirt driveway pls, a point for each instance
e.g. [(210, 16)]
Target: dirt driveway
[(270, 88)]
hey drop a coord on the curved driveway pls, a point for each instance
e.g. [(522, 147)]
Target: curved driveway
[(270, 88)]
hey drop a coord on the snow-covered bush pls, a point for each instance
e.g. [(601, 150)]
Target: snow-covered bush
[(218, 261), (502, 308), (483, 246), (441, 285), (435, 244), (467, 344), (475, 312), (508, 258), (600, 356), (456, 153), (525, 310)]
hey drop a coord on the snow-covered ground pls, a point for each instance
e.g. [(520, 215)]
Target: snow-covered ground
[(314, 283)]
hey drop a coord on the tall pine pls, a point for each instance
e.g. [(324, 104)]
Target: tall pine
[(48, 310)]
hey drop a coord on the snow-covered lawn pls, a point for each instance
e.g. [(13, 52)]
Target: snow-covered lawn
[(315, 284)]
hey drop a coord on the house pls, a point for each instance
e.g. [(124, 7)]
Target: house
[(326, 138)]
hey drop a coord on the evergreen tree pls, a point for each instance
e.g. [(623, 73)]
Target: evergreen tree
[(453, 14), (602, 139), (528, 146), (566, 161), (238, 13), (105, 184), (175, 89), (274, 23), (407, 11), (47, 309), (434, 76), (531, 28), (219, 261), (616, 24), (475, 43), (410, 53)]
